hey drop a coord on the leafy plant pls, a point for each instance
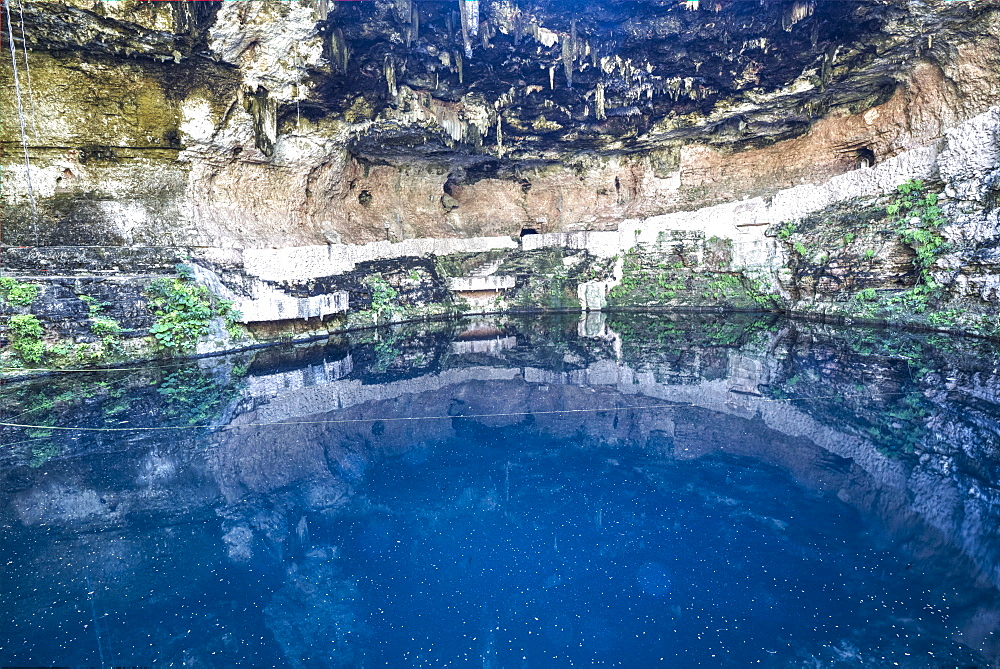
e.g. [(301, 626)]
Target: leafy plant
[(109, 330), (786, 230), (385, 298), (26, 337), (916, 218), (43, 452), (16, 292), (868, 295), (103, 327), (184, 312), (94, 307)]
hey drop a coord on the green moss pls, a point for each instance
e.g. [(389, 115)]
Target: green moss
[(650, 278), (867, 295), (26, 337), (17, 293), (359, 110)]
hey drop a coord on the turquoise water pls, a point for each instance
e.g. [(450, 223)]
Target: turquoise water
[(534, 492)]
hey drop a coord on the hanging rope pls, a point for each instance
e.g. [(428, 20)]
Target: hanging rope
[(27, 72), (20, 109)]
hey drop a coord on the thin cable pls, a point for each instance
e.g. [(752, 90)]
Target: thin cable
[(341, 421), (20, 114), (27, 72)]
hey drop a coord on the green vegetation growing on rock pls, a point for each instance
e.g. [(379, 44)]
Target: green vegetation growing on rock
[(461, 264), (652, 278), (17, 293), (385, 298), (917, 218), (26, 337), (184, 311), (785, 231)]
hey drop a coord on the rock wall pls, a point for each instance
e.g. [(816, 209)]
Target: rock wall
[(257, 142)]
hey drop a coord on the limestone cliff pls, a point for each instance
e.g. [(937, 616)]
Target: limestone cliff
[(290, 149)]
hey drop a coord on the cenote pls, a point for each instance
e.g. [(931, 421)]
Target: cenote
[(640, 490)]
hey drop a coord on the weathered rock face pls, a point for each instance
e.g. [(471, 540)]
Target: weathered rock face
[(253, 124), (292, 148)]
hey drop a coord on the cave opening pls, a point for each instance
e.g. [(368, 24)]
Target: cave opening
[(864, 158)]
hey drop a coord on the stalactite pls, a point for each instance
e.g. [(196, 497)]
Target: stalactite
[(599, 102), (339, 50), (552, 78), (572, 36), (264, 114), (390, 77), (460, 66), (569, 53), (798, 11), (463, 6), (322, 10), (404, 10), (826, 71), (472, 16), (484, 33), (499, 135), (415, 24)]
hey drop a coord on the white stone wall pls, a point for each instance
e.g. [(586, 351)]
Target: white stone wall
[(309, 262), (267, 303), (461, 284)]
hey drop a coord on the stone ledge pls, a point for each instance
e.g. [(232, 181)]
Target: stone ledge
[(463, 284)]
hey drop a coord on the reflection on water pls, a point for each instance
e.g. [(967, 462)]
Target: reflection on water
[(717, 491)]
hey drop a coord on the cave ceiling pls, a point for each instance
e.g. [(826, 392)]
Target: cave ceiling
[(494, 83), (565, 76)]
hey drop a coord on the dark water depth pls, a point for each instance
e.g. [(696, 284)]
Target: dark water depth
[(721, 491)]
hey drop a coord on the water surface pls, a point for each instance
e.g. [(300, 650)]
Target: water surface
[(521, 492)]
